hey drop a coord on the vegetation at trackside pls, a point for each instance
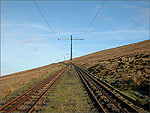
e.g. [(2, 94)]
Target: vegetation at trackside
[(28, 84), (129, 73), (126, 68), (68, 95)]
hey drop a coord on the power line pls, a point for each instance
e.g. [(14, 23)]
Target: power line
[(94, 18), (45, 19), (91, 23), (48, 23)]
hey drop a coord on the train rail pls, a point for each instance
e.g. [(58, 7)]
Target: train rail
[(27, 101), (119, 92), (106, 100)]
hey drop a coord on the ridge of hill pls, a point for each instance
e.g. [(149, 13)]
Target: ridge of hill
[(93, 58)]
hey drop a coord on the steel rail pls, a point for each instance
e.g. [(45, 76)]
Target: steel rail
[(101, 108), (29, 95), (117, 91), (25, 98), (45, 92), (112, 97), (26, 95), (12, 101), (121, 110)]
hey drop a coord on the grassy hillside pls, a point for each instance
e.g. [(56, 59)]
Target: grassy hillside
[(126, 68), (10, 83), (127, 65), (92, 59)]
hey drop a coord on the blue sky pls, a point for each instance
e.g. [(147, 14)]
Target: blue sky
[(27, 42)]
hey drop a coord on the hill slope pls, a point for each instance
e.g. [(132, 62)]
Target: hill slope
[(10, 83), (91, 59), (129, 63), (126, 68)]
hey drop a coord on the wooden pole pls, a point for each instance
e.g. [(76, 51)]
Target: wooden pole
[(71, 47), (71, 53)]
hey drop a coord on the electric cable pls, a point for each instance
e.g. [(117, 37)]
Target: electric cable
[(94, 18), (45, 19)]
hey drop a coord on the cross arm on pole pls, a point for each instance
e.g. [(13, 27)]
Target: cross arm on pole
[(63, 39), (71, 45), (79, 39), (70, 39)]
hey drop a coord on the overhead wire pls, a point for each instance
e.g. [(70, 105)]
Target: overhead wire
[(45, 19), (53, 30), (49, 26), (92, 21)]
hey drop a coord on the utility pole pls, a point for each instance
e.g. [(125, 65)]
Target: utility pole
[(71, 53), (71, 46)]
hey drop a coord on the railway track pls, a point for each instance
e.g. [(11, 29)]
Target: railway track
[(119, 92), (102, 97), (27, 101)]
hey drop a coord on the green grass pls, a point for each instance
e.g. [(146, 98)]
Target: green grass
[(69, 95), (136, 96)]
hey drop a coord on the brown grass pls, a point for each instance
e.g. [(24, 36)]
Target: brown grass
[(126, 68), (12, 82), (92, 59)]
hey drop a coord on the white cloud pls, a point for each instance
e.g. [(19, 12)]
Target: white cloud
[(34, 43), (33, 40), (24, 25), (119, 32)]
